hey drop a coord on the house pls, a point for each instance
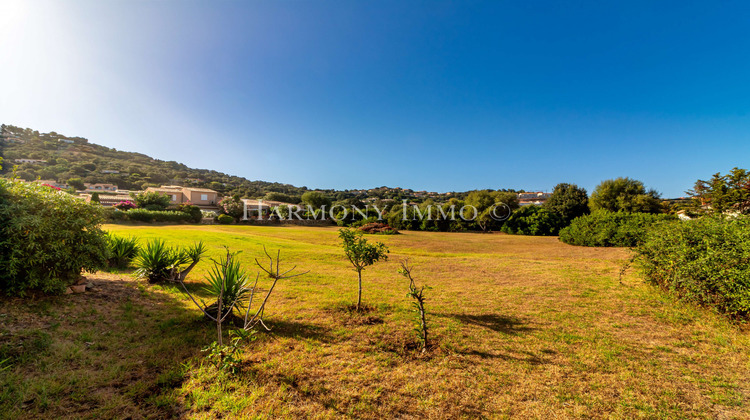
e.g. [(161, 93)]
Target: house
[(30, 161), (66, 141), (201, 197), (53, 183), (108, 200), (533, 198), (110, 171), (100, 187)]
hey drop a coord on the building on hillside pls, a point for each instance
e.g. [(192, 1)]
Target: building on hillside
[(100, 187), (201, 197), (66, 141), (108, 200), (110, 171), (34, 161), (533, 198), (53, 183)]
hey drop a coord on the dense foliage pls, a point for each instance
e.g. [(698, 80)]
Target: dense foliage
[(625, 194), (151, 200), (730, 192), (47, 238), (606, 228), (705, 261), (121, 250), (533, 220), (568, 201)]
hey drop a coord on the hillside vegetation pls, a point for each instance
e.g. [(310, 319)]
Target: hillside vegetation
[(76, 158)]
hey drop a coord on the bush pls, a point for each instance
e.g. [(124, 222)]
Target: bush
[(196, 215), (150, 216), (533, 220), (225, 219), (121, 250), (47, 238), (606, 228), (378, 228), (158, 262), (151, 200), (706, 261)]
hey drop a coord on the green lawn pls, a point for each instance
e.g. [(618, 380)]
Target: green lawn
[(524, 327)]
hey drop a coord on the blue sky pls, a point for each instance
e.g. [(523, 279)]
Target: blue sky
[(442, 96)]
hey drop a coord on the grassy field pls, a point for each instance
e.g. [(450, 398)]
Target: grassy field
[(524, 327)]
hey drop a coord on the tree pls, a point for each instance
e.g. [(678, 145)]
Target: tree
[(723, 192), (76, 183), (232, 206), (151, 200), (361, 254), (316, 199), (95, 197), (284, 198), (624, 194), (569, 201)]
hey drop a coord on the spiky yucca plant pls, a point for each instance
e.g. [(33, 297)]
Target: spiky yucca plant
[(158, 262), (227, 279), (122, 250)]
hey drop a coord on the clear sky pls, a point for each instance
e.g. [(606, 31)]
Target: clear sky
[(428, 95)]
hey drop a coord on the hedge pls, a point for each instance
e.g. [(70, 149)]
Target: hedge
[(606, 228), (706, 261), (47, 238)]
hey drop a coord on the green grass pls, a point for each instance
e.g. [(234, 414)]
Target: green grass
[(524, 327)]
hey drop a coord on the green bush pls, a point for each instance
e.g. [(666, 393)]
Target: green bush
[(533, 220), (225, 219), (606, 228), (158, 262), (149, 216), (122, 250), (196, 215), (706, 261), (47, 237)]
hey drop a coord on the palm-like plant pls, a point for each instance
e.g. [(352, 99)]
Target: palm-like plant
[(158, 262), (122, 250), (229, 280)]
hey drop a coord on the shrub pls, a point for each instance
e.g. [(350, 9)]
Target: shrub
[(47, 238), (121, 250), (378, 229), (533, 220), (151, 200), (225, 219), (150, 216), (196, 215), (232, 206), (228, 280), (125, 205), (158, 262), (606, 228), (706, 261)]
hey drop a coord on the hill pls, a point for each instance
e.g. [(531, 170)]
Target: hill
[(53, 156)]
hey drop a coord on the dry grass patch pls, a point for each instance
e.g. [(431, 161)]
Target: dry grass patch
[(523, 327)]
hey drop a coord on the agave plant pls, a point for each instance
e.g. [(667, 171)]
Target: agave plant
[(228, 280), (158, 262), (122, 250)]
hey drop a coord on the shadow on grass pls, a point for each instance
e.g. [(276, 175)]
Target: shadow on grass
[(529, 357), (499, 323), (299, 330)]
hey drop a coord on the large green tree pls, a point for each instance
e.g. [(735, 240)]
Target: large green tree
[(723, 192), (624, 194), (316, 199), (568, 201)]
